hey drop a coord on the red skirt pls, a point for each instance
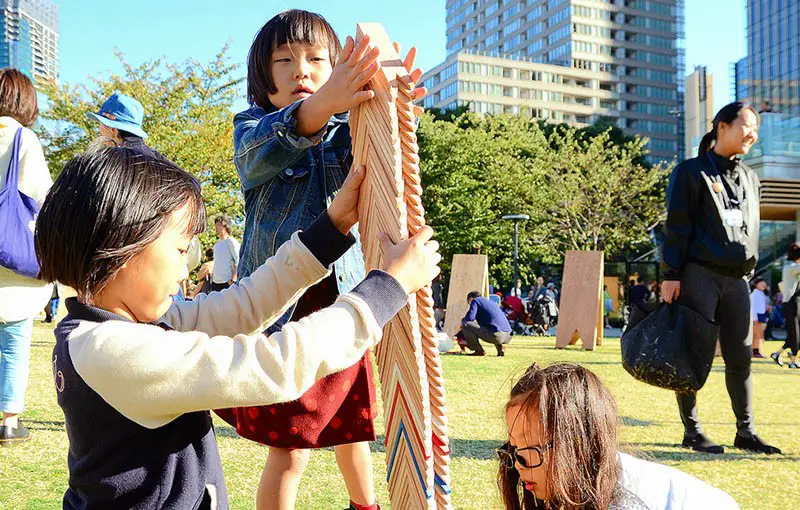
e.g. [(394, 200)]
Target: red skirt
[(337, 409)]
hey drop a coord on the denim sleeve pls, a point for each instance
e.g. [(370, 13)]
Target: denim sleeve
[(263, 146)]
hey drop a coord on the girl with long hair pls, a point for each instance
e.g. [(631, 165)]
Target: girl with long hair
[(563, 452)]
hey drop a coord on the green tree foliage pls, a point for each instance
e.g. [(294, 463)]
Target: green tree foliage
[(187, 117), (582, 189)]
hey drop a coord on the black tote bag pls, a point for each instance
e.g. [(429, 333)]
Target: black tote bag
[(672, 347)]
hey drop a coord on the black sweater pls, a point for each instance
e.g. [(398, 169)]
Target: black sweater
[(695, 232)]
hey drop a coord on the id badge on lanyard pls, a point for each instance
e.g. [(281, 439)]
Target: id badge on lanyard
[(732, 215)]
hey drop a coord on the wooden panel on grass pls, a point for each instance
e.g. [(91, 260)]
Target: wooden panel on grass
[(581, 300), (468, 273)]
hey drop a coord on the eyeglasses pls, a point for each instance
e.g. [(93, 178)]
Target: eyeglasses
[(529, 457)]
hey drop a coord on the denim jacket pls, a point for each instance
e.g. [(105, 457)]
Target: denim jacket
[(288, 180)]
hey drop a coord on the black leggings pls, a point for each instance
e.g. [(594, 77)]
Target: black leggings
[(792, 326)]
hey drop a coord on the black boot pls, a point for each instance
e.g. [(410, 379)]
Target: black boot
[(754, 444), (700, 443)]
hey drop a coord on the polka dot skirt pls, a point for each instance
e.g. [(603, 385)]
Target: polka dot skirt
[(338, 409)]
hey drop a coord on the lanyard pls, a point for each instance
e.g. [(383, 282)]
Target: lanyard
[(732, 201)]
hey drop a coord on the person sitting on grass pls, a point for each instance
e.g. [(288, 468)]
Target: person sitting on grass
[(484, 321), (136, 374), (563, 453)]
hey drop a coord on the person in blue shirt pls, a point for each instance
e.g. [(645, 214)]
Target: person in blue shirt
[(484, 321)]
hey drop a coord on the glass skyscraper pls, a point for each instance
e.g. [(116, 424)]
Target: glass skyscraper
[(771, 70), (30, 37), (620, 59)]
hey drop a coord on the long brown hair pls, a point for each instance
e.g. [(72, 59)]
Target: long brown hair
[(726, 114), (18, 97), (579, 417)]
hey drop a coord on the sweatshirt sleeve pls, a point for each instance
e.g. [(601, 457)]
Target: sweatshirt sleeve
[(152, 376), (34, 176), (255, 302)]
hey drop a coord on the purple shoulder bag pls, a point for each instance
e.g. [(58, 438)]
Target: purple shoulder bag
[(18, 214)]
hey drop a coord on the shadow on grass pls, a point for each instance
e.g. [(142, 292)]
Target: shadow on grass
[(633, 422), (689, 456), (58, 426), (479, 449)]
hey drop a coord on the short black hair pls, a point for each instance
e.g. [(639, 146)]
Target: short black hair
[(794, 252), (288, 27), (474, 294), (210, 254), (106, 207)]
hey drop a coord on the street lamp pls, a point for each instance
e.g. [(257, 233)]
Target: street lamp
[(516, 218)]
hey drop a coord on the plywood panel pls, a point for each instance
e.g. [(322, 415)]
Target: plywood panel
[(581, 309), (468, 273)]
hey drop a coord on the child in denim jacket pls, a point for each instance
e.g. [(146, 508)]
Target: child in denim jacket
[(292, 153)]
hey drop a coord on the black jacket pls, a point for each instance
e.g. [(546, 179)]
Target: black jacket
[(695, 231)]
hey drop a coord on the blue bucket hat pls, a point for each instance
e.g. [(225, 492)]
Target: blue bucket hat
[(121, 112)]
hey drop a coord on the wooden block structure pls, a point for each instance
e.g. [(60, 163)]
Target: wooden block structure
[(383, 131), (467, 273), (581, 307)]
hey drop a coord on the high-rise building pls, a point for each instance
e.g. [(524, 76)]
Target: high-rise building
[(30, 37), (699, 108), (771, 71), (568, 61)]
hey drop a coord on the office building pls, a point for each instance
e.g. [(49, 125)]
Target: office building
[(30, 37), (568, 61), (698, 108), (771, 71)]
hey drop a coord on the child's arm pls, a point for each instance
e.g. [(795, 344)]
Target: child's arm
[(152, 376), (257, 301)]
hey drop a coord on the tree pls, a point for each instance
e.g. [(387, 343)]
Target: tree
[(596, 196), (187, 117), (583, 190)]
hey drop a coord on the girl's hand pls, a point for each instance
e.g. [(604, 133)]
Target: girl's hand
[(356, 67), (413, 262), (343, 211), (670, 290), (416, 74)]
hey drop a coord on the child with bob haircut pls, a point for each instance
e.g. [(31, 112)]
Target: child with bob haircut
[(292, 153), (135, 373), (562, 452)]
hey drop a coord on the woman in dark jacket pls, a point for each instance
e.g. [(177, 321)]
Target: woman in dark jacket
[(710, 247)]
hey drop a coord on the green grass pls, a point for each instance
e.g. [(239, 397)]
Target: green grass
[(34, 475)]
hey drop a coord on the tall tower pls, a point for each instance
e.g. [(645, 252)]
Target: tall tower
[(771, 71), (625, 56), (29, 42), (699, 108)]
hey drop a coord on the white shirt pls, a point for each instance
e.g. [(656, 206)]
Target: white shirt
[(758, 303), (22, 297), (791, 276), (226, 260), (651, 486)]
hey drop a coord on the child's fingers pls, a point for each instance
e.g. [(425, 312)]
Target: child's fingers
[(424, 235), (358, 52), (416, 75), (418, 110), (409, 60), (397, 47), (367, 60), (367, 74), (362, 95), (347, 50), (354, 178), (420, 92)]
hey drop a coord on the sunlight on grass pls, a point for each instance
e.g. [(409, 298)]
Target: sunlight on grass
[(34, 475)]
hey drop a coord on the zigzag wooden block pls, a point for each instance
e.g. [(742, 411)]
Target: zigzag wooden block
[(410, 370)]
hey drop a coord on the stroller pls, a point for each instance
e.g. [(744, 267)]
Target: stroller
[(539, 312)]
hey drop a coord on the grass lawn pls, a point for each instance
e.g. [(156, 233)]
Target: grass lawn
[(34, 475)]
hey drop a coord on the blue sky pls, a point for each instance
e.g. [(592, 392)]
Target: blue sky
[(90, 30)]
